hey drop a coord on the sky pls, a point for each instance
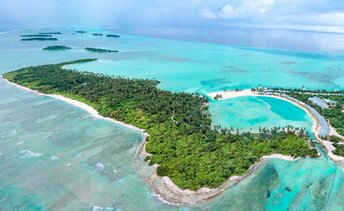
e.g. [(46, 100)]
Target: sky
[(295, 14)]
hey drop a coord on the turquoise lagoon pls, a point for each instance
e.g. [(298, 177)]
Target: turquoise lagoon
[(250, 113), (56, 156)]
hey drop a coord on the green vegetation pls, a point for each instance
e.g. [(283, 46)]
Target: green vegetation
[(113, 35), (339, 149), (334, 115), (40, 39), (182, 141), (81, 32), (50, 33), (97, 34), (100, 50), (335, 139), (36, 35), (57, 48)]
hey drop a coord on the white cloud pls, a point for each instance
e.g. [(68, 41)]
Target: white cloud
[(246, 8), (334, 19), (207, 13), (228, 11), (323, 19), (279, 12)]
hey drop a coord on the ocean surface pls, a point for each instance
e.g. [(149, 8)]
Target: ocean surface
[(57, 157)]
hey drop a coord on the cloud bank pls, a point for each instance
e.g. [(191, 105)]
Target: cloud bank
[(288, 12), (117, 13)]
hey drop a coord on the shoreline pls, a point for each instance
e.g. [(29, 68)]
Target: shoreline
[(89, 109), (248, 93), (166, 192), (324, 144)]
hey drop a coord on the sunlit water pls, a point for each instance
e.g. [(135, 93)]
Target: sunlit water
[(56, 156), (250, 113)]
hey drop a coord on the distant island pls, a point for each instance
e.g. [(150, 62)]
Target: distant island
[(97, 34), (36, 35), (40, 39), (100, 50), (113, 35), (181, 142), (57, 48), (81, 32), (50, 33)]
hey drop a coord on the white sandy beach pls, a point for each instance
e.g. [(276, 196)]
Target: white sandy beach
[(80, 105), (232, 94), (328, 147), (167, 190), (228, 94)]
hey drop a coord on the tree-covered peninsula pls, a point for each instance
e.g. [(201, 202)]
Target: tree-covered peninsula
[(181, 140), (57, 48)]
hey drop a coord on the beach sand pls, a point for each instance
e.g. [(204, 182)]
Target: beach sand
[(166, 190), (170, 193), (80, 105), (327, 146)]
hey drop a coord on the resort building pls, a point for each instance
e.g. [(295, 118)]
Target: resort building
[(319, 102), (330, 103), (324, 126)]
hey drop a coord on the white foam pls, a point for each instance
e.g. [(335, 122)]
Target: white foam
[(97, 208), (1, 154), (28, 154), (68, 164), (158, 197), (20, 142), (78, 155), (100, 166), (54, 157), (13, 132)]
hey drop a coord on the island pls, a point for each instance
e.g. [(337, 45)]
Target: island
[(81, 32), (97, 34), (40, 39), (325, 107), (36, 35), (329, 104), (49, 33), (180, 140), (113, 35), (57, 48), (100, 50)]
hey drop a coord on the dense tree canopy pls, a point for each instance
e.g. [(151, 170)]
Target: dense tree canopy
[(57, 48), (182, 141)]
